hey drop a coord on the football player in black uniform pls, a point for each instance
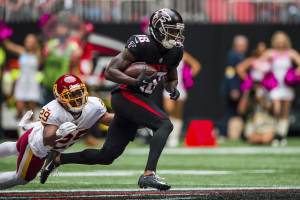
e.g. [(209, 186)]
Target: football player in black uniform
[(163, 49)]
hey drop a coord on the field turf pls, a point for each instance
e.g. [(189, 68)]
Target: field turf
[(233, 166)]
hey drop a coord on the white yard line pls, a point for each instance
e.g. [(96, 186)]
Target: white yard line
[(143, 190), (218, 150), (185, 172), (136, 172)]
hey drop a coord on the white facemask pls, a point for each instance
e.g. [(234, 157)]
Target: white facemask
[(168, 44)]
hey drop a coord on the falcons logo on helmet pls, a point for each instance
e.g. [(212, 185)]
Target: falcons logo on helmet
[(160, 15)]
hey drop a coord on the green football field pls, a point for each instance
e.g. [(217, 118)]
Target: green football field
[(230, 165)]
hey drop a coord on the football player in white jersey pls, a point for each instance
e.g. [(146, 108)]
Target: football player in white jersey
[(62, 122)]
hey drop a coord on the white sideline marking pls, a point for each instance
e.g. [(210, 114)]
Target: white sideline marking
[(86, 183), (143, 190), (218, 150), (134, 172), (137, 172)]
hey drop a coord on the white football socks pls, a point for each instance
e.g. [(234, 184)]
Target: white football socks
[(8, 149), (10, 179)]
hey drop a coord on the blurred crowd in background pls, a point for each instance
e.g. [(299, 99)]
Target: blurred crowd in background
[(259, 90), (195, 11), (257, 95), (61, 48)]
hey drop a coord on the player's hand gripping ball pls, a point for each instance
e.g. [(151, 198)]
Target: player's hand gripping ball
[(135, 69), (143, 73)]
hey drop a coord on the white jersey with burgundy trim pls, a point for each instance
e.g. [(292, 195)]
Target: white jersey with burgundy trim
[(53, 113), (144, 49)]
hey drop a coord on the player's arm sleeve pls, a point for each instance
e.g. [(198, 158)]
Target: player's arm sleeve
[(133, 46), (49, 119), (101, 108)]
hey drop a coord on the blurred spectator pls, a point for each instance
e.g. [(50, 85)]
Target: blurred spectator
[(194, 10), (230, 88), (138, 9), (75, 24), (293, 13), (257, 70), (45, 6), (48, 24), (243, 11), (217, 11), (256, 105), (114, 12), (2, 9), (207, 11), (2, 61), (27, 90), (175, 108), (61, 57), (85, 68), (251, 73), (85, 65), (24, 8), (10, 75), (90, 10), (281, 56), (65, 52), (268, 12)]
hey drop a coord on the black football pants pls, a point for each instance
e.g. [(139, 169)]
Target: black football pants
[(131, 110)]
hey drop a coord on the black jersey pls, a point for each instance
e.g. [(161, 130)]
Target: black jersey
[(145, 49)]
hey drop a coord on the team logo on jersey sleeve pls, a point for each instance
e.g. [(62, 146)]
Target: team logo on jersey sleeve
[(132, 44)]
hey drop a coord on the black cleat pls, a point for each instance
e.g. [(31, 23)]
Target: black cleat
[(49, 166), (152, 181)]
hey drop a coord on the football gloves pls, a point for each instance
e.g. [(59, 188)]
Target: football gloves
[(65, 129), (174, 93), (143, 79)]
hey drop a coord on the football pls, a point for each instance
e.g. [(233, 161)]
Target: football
[(135, 69)]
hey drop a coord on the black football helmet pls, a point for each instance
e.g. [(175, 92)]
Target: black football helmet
[(166, 26)]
